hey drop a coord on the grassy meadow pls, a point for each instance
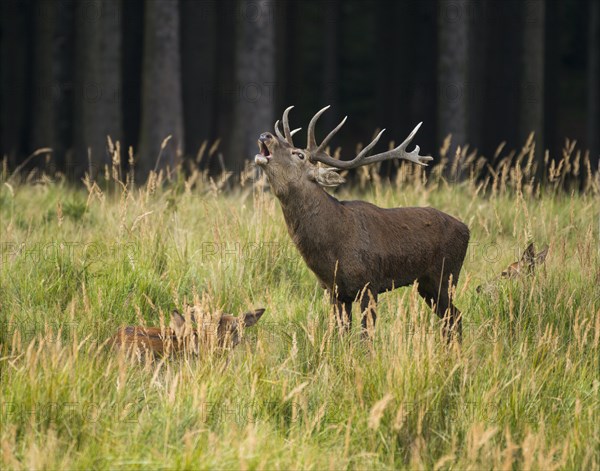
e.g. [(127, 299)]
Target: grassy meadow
[(76, 263)]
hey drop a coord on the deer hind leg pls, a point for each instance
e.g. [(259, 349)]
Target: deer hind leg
[(441, 302), (452, 318), (368, 301), (343, 312)]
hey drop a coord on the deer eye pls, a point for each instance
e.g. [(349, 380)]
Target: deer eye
[(300, 155)]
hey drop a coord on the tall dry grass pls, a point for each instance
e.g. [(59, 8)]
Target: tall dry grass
[(523, 392)]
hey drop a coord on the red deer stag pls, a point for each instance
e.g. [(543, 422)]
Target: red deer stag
[(356, 249)]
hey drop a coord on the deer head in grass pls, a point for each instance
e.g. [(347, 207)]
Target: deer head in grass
[(527, 263), (525, 266)]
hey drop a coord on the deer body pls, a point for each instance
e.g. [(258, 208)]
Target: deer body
[(358, 250), (179, 336), (369, 245), (146, 339)]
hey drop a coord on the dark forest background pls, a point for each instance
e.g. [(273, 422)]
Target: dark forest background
[(485, 71)]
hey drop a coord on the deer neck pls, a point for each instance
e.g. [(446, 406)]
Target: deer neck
[(311, 215)]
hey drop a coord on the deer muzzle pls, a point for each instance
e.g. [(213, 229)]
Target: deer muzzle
[(264, 155)]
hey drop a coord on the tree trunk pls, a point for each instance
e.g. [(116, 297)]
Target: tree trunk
[(131, 72), (43, 131), (395, 78), (476, 83), (423, 100), (551, 79), (593, 112), (290, 77), (255, 74), (16, 76), (51, 113), (453, 84), (198, 62), (330, 56), (501, 80), (532, 79), (223, 95), (162, 107), (98, 91), (282, 42), (64, 49)]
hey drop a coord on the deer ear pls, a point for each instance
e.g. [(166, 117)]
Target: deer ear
[(541, 256), (177, 321), (327, 177), (250, 318), (193, 315), (529, 254)]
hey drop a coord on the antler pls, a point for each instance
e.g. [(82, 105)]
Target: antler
[(311, 142), (286, 128), (318, 154)]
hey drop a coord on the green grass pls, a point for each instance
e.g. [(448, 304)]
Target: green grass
[(522, 393)]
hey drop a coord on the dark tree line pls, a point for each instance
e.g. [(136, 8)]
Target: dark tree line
[(486, 71)]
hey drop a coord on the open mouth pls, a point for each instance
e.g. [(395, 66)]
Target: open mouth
[(264, 150), (264, 155)]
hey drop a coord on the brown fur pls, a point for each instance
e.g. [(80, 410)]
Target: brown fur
[(179, 336)]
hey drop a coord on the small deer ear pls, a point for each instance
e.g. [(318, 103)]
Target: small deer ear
[(529, 254), (177, 321), (193, 315), (327, 177), (250, 318), (541, 256)]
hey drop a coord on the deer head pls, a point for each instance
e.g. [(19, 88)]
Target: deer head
[(289, 166), (525, 266), (527, 263), (228, 327)]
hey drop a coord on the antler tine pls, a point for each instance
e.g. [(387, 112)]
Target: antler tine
[(286, 126), (311, 142), (295, 131), (410, 137), (278, 132), (325, 141), (414, 155), (400, 152), (366, 150), (361, 159)]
